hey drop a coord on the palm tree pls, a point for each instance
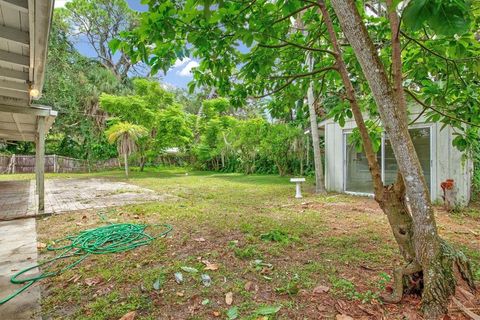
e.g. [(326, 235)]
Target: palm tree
[(126, 136)]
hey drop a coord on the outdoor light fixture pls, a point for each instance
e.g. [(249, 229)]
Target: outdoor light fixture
[(34, 93)]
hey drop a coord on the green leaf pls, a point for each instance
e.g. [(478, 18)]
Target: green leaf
[(415, 14), (248, 39), (114, 44), (449, 23), (267, 310), (189, 269), (444, 17), (232, 313)]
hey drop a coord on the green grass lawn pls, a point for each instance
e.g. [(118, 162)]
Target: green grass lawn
[(271, 251)]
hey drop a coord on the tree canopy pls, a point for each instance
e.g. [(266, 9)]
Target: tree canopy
[(364, 60)]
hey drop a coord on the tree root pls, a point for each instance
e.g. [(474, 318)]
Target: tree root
[(402, 280), (440, 279), (465, 310)]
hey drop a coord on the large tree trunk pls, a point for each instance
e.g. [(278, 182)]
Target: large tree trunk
[(434, 256), (391, 199), (317, 155)]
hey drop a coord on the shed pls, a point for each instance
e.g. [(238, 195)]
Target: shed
[(24, 31), (346, 169)]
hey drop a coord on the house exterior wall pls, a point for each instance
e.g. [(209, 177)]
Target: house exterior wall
[(451, 164), (447, 161)]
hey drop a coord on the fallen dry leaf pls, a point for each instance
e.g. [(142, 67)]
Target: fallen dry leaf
[(248, 286), (343, 317), (216, 313), (129, 316), (321, 289), (410, 315), (92, 281), (229, 298), (199, 239), (180, 293), (41, 245), (103, 291), (209, 265), (74, 279)]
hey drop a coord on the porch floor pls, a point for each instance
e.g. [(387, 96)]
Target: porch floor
[(18, 200)]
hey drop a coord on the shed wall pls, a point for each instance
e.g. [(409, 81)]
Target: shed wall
[(448, 162)]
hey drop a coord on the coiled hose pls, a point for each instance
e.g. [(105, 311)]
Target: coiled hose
[(112, 238)]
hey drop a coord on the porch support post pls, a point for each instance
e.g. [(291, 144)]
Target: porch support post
[(40, 162)]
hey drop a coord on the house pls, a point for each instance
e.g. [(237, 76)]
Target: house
[(346, 169), (24, 31)]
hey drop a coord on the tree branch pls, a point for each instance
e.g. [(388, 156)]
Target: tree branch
[(297, 45), (438, 55), (306, 74), (294, 13), (276, 90), (424, 105)]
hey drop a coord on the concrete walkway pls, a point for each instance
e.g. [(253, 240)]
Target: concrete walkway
[(17, 199), (18, 250), (18, 238)]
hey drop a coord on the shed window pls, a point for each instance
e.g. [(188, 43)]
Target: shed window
[(357, 174)]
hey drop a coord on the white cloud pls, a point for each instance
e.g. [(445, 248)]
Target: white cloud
[(187, 70), (179, 63), (61, 3)]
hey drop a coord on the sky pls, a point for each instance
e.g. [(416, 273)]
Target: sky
[(179, 75)]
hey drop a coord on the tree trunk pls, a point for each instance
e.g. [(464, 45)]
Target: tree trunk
[(434, 256), (142, 163), (197, 123), (391, 199), (125, 157), (317, 155), (281, 169)]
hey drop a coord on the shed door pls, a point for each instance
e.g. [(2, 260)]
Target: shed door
[(357, 175)]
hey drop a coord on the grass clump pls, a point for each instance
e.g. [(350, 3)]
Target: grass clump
[(277, 236), (247, 252)]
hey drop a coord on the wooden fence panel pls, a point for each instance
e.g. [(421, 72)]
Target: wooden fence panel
[(53, 163), (24, 164)]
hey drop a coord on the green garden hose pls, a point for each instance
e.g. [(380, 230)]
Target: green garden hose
[(112, 238)]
